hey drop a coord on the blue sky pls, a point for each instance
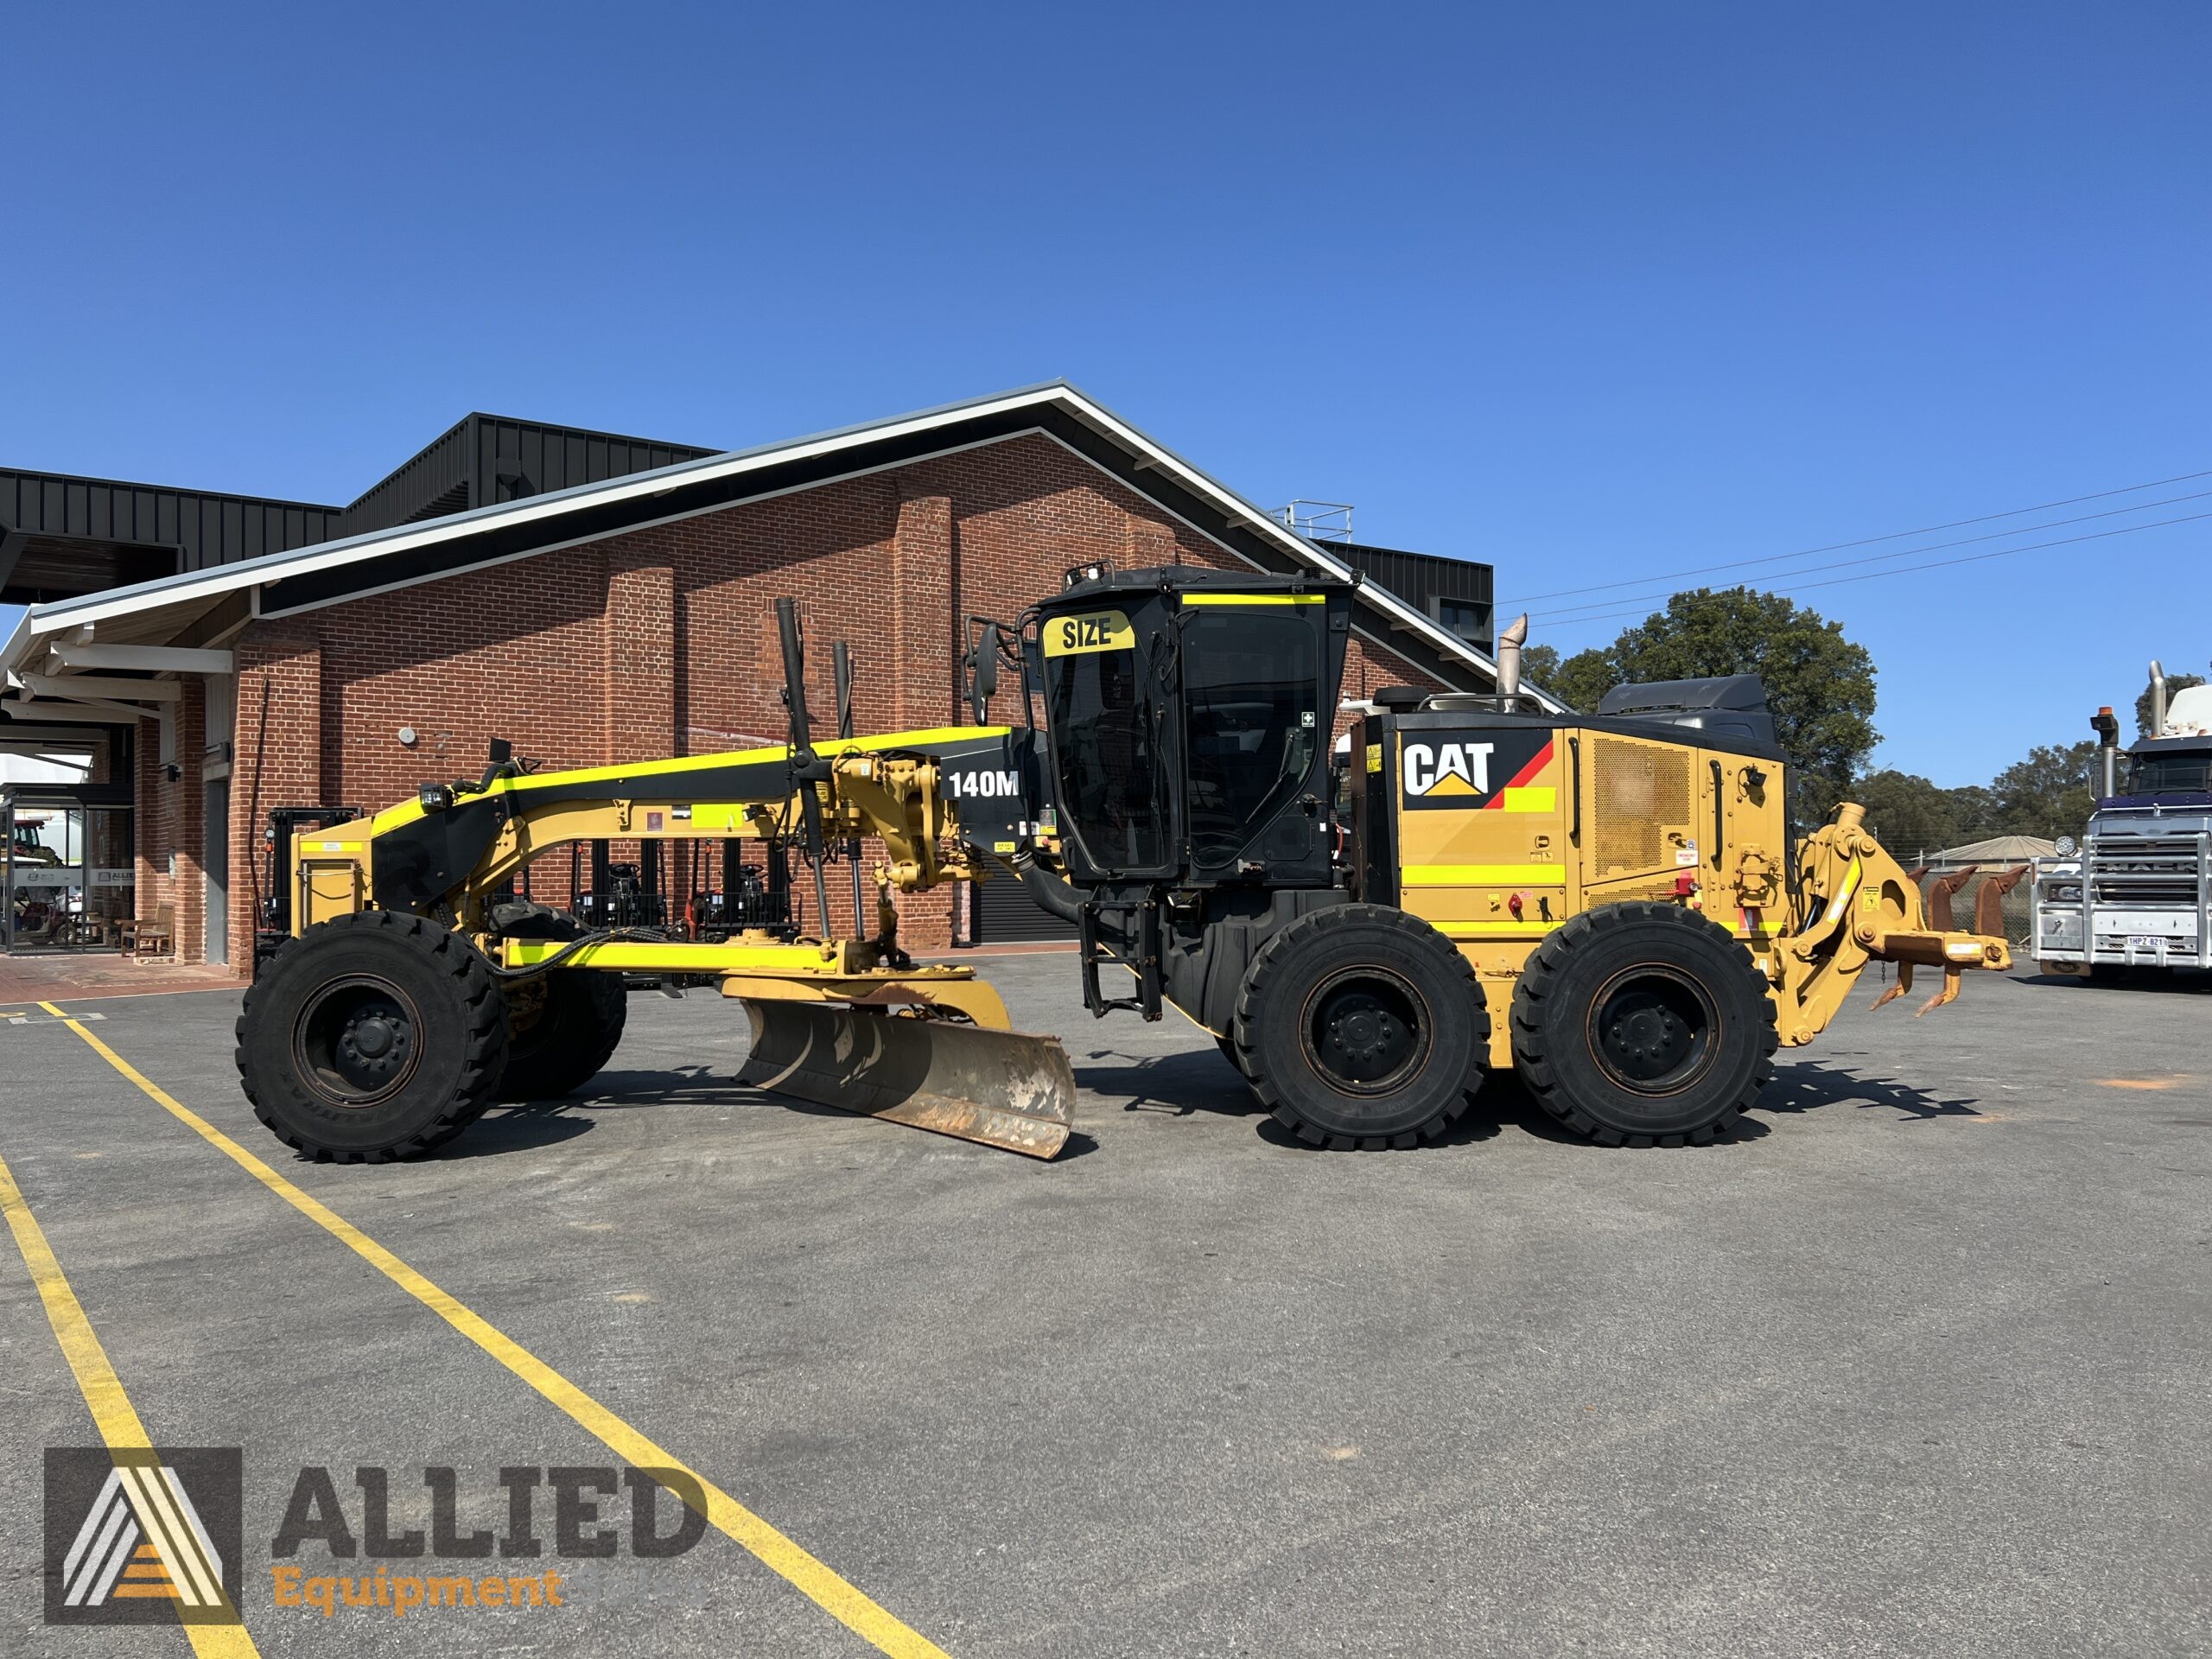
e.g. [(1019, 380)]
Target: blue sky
[(1594, 293)]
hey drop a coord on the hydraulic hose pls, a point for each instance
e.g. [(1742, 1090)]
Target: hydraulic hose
[(1054, 895)]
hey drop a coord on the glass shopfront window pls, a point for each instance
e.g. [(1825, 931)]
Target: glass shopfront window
[(66, 866)]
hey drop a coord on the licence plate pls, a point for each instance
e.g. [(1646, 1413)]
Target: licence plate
[(2144, 941)]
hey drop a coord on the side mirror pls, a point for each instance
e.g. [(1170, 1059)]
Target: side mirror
[(982, 676)]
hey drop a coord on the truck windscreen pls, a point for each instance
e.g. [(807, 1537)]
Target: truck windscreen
[(2186, 773)]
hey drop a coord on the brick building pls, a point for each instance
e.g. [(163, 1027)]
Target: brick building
[(593, 600)]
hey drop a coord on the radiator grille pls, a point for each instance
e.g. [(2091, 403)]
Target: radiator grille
[(1640, 791), (2145, 872)]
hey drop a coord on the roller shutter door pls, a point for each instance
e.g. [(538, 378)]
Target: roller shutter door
[(1005, 914)]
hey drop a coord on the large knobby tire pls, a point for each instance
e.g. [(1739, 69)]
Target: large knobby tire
[(1360, 1027), (568, 1038), (374, 1036), (1642, 1025)]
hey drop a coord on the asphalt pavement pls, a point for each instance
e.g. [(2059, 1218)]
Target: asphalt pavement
[(1918, 1363)]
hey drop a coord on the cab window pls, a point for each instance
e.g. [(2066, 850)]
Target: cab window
[(1252, 685)]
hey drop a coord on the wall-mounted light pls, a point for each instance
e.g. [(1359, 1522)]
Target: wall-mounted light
[(407, 736)]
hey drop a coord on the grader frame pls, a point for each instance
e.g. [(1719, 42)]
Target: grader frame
[(1634, 937)]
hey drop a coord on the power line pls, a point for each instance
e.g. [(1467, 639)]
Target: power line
[(1936, 564), (1869, 541), (1903, 553)]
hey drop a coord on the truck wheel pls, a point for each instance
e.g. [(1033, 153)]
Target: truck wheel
[(373, 1036), (1360, 1027), (566, 1039), (1642, 1025)]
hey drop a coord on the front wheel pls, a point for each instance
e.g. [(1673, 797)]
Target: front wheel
[(373, 1036), (1642, 1025), (1360, 1027)]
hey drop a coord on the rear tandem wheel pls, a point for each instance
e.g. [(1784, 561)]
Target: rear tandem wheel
[(1642, 1025)]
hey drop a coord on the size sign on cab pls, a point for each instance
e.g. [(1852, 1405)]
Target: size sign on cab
[(1074, 636)]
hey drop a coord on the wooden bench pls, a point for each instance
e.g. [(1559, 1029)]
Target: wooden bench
[(156, 938)]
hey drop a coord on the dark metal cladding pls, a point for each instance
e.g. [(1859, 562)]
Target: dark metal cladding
[(483, 459), (1455, 593), (63, 536)]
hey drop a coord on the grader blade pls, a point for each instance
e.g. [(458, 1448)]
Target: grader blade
[(1004, 1088)]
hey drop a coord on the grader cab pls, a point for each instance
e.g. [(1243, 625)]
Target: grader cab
[(1609, 906)]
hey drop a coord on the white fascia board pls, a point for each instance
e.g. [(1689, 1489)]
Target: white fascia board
[(94, 685), (151, 659), (77, 712), (272, 570)]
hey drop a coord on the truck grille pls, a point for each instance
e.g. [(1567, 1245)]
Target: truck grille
[(2146, 872)]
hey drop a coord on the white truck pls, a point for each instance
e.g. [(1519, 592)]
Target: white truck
[(2138, 892)]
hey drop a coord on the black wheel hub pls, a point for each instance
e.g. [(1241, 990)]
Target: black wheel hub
[(1364, 1031), (1653, 1030), (355, 1042)]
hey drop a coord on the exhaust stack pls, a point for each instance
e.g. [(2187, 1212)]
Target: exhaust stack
[(2106, 726), (1508, 661), (2157, 699)]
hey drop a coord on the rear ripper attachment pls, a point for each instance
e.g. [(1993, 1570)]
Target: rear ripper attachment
[(413, 990)]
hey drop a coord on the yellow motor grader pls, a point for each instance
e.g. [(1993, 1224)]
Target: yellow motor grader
[(1610, 906)]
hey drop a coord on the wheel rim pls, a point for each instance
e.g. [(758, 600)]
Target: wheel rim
[(356, 1040), (1653, 1029), (1366, 1031)]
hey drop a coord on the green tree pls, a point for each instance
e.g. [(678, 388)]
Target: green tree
[(1540, 665), (2048, 794), (2174, 683), (1974, 809), (1908, 814), (1583, 678), (1820, 685)]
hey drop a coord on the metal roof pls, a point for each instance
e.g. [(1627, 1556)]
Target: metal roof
[(61, 533), (309, 578)]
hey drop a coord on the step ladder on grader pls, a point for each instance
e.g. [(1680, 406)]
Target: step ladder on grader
[(1609, 906)]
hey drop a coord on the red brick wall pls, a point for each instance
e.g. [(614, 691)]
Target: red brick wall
[(170, 825), (663, 641)]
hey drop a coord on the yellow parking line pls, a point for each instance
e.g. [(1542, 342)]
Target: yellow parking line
[(841, 1600), (113, 1414)]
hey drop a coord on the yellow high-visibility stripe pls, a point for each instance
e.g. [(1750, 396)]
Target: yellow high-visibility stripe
[(1482, 875), (1255, 599), (1493, 930), (842, 1601), (113, 1415), (408, 812)]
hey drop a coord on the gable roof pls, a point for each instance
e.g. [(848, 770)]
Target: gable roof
[(309, 578)]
